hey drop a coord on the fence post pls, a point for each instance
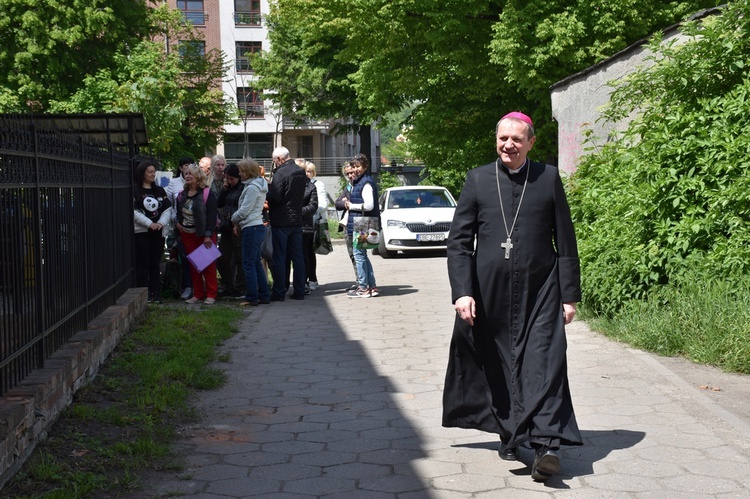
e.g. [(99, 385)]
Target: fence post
[(39, 284)]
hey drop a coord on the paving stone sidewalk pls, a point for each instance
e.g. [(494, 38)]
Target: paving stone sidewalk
[(341, 397)]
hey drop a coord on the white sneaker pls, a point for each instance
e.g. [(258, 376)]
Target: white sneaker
[(187, 293), (209, 301), (313, 285), (359, 293), (192, 301)]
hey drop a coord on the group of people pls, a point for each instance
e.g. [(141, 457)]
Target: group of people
[(233, 206), (513, 269)]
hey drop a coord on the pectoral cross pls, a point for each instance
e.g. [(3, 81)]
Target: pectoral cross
[(508, 246)]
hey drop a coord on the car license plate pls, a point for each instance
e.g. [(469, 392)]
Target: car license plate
[(430, 237)]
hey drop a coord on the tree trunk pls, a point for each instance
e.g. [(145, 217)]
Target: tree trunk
[(365, 142)]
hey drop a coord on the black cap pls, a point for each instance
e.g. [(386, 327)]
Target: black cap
[(232, 171)]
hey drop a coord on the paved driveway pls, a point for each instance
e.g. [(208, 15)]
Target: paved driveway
[(341, 397)]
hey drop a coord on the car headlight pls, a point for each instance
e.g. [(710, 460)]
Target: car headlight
[(396, 223)]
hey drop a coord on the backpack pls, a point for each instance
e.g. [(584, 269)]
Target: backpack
[(206, 190)]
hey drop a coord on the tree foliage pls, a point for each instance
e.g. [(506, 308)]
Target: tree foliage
[(303, 73), (47, 47), (90, 60), (174, 87), (670, 198), (463, 63), (542, 42)]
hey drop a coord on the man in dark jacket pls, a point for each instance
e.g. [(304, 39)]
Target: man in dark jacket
[(309, 207), (285, 197), (229, 263)]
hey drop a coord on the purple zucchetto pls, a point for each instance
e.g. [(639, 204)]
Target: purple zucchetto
[(519, 116)]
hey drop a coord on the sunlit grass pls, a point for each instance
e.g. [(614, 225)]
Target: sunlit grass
[(706, 321)]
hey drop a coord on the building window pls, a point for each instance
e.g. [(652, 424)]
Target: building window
[(243, 51), (258, 145), (193, 11), (247, 12), (192, 49), (249, 103)]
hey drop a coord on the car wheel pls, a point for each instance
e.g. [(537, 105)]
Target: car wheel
[(384, 253)]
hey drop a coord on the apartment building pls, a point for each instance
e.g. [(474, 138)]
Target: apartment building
[(237, 27)]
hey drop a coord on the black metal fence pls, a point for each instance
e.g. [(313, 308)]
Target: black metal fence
[(66, 239)]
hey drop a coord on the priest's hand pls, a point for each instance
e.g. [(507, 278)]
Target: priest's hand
[(569, 311), (466, 308)]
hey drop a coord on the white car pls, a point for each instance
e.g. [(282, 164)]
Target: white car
[(415, 218)]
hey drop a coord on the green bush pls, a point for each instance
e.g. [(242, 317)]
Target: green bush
[(670, 197)]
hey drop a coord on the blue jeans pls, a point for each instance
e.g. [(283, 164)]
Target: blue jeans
[(256, 283), (288, 239), (365, 275)]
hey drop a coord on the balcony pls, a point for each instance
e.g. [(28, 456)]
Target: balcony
[(252, 111), (195, 17), (248, 19), (306, 124), (242, 65)]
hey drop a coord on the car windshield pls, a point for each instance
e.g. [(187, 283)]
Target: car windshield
[(437, 198)]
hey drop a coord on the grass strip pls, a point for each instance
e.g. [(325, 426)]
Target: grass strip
[(705, 320), (122, 423)]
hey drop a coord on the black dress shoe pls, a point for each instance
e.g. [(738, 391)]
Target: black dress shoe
[(546, 464), (277, 298), (508, 453), (297, 297)]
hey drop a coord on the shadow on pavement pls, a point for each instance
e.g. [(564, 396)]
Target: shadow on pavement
[(576, 461)]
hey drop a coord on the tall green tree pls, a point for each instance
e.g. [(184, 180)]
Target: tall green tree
[(539, 43), (304, 74), (463, 63), (175, 86), (47, 47)]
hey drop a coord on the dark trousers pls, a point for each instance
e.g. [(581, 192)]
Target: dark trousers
[(350, 249), (229, 263), (287, 239), (148, 250), (311, 261), (187, 280), (309, 255)]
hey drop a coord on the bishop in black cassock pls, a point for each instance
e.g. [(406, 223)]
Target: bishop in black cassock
[(515, 279)]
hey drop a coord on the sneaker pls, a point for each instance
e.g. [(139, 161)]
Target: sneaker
[(353, 287), (209, 301), (192, 301), (374, 292), (359, 293), (187, 293), (313, 285), (308, 289)]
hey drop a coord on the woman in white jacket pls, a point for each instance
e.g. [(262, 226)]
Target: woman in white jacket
[(321, 216), (248, 221), (150, 216)]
